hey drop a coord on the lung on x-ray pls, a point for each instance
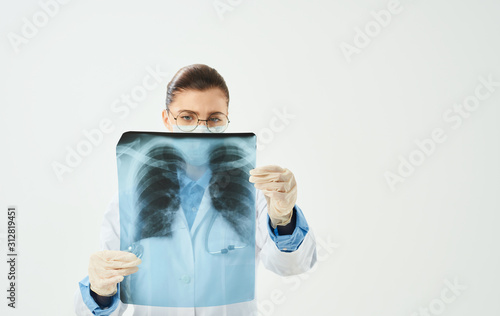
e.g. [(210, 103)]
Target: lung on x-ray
[(187, 209)]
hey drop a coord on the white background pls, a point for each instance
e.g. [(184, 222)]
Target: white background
[(383, 251)]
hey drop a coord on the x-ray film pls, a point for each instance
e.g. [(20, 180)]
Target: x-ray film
[(187, 209)]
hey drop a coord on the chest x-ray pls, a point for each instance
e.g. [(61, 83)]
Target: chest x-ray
[(187, 210)]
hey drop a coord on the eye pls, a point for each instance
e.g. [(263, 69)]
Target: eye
[(187, 118)]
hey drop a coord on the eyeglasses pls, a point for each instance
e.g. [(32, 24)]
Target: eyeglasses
[(188, 121)]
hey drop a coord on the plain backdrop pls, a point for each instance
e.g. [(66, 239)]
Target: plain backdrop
[(340, 119)]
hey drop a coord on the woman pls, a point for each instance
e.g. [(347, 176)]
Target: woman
[(283, 240)]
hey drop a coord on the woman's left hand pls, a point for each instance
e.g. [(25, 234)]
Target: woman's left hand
[(279, 186)]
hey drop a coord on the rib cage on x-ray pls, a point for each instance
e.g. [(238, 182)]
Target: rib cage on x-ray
[(230, 188), (157, 190)]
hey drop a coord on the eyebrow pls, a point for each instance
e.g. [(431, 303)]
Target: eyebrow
[(197, 113)]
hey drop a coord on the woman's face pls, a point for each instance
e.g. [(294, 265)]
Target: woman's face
[(203, 103)]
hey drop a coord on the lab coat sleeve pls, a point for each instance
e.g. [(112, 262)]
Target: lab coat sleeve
[(110, 240), (281, 262)]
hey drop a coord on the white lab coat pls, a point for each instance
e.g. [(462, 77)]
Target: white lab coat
[(281, 263)]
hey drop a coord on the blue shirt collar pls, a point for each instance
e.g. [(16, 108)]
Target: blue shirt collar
[(184, 180)]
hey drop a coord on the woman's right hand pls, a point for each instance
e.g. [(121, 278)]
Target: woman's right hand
[(108, 267)]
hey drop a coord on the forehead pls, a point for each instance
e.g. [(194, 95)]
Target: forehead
[(211, 100)]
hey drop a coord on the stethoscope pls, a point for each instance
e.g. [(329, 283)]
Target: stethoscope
[(223, 251), (138, 250)]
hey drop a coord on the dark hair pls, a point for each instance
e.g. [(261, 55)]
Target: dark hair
[(195, 77)]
